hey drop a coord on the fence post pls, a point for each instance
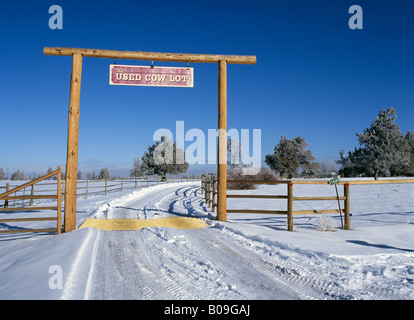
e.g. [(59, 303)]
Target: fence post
[(290, 206), (122, 184), (347, 207), (135, 182), (6, 203), (31, 194), (87, 189), (106, 186), (205, 191), (59, 201), (213, 206), (209, 192), (202, 184)]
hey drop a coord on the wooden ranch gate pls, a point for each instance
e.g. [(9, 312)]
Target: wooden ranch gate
[(7, 196), (74, 101)]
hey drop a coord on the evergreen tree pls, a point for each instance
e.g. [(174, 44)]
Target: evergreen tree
[(356, 163), (104, 174), (409, 137), (233, 154), (163, 157), (1, 174), (136, 168), (289, 156), (18, 175), (383, 143), (406, 169), (50, 170)]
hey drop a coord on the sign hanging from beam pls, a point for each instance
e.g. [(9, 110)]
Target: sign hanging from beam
[(151, 76)]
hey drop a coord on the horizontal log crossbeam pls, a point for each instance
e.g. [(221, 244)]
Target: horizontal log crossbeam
[(151, 56)]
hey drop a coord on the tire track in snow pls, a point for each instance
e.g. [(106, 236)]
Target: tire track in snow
[(302, 272), (73, 281)]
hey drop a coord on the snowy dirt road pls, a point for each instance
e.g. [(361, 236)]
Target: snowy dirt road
[(167, 263)]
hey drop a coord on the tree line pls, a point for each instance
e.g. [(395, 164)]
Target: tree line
[(383, 151)]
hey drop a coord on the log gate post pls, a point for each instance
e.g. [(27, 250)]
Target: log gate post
[(222, 143), (73, 143)]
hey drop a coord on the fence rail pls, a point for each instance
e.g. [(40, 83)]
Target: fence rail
[(208, 187), (58, 196)]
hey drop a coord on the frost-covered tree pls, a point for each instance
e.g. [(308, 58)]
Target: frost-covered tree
[(104, 174), (327, 168), (356, 163), (310, 169), (404, 169), (233, 154), (289, 156), (163, 157), (18, 175), (50, 170), (409, 137), (136, 168), (383, 143)]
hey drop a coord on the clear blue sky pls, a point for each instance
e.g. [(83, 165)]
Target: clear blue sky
[(314, 77)]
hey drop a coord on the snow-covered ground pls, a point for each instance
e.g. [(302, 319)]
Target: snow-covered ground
[(252, 256)]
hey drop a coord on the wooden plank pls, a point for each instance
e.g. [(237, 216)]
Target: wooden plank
[(318, 198), (311, 182), (222, 143), (385, 181), (73, 141), (27, 209), (54, 196), (297, 212), (28, 230), (256, 211), (28, 219), (382, 181), (151, 56), (259, 181), (256, 196)]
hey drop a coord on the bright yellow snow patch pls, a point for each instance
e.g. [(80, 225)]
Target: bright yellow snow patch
[(136, 224)]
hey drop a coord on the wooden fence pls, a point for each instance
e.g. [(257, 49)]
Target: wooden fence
[(6, 196), (85, 188), (21, 197), (208, 187)]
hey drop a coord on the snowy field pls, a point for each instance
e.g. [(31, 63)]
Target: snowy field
[(252, 256)]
